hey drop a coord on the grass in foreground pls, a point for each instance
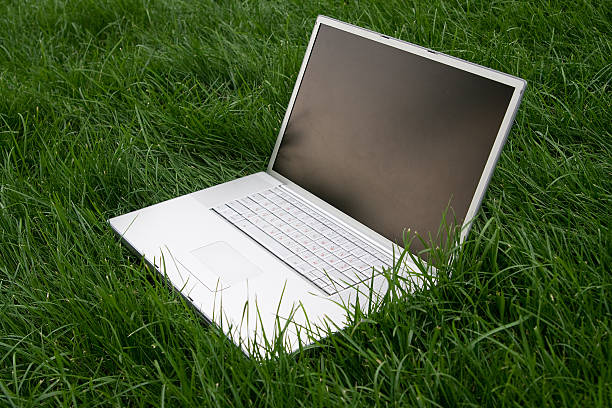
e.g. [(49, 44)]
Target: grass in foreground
[(107, 106)]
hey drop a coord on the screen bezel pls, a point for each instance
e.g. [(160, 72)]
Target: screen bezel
[(517, 83)]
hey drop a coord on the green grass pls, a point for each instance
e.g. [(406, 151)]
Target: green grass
[(110, 105)]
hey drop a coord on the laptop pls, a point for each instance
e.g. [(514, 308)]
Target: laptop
[(382, 140)]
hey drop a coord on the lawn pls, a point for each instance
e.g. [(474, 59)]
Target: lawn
[(110, 105)]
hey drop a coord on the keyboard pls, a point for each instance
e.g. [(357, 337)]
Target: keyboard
[(321, 250)]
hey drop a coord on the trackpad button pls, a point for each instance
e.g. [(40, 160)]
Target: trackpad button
[(228, 264)]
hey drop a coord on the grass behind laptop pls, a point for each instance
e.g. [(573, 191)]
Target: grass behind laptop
[(108, 106)]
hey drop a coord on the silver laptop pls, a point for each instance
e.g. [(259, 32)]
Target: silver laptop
[(380, 141)]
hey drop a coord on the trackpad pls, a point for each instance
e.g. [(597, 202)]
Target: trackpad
[(228, 264)]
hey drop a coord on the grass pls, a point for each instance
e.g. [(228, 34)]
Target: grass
[(107, 106)]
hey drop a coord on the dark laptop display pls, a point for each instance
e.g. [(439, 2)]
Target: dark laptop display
[(389, 137)]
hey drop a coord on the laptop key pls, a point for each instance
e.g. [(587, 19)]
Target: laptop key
[(242, 224), (332, 260), (360, 243), (227, 212), (323, 241), (337, 278), (321, 253), (298, 249), (355, 275), (260, 222), (305, 229), (304, 240), (247, 202), (358, 252), (317, 263), (310, 221), (267, 242), (352, 276), (331, 235), (371, 250), (295, 211), (317, 226), (339, 240), (236, 206), (286, 217), (326, 231), (274, 232), (314, 235), (278, 223), (267, 204), (220, 208), (341, 253), (303, 268), (295, 234), (348, 246), (251, 216), (357, 264), (282, 238), (266, 215), (289, 219), (291, 244), (235, 217), (309, 211), (312, 246), (277, 211), (369, 259), (333, 248), (270, 230), (296, 223), (260, 210), (342, 266), (286, 229), (315, 274), (368, 273), (306, 255), (294, 260), (373, 261), (301, 216)]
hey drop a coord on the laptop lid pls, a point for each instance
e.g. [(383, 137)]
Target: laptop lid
[(392, 134)]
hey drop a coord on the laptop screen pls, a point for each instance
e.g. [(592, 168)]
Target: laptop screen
[(390, 138)]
